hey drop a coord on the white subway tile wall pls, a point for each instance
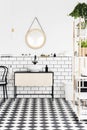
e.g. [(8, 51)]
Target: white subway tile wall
[(60, 65)]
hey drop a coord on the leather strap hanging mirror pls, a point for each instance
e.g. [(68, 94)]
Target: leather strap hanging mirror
[(35, 37)]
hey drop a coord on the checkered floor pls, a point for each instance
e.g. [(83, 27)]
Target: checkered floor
[(38, 114)]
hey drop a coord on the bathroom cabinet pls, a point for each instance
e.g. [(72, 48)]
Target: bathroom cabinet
[(36, 79)]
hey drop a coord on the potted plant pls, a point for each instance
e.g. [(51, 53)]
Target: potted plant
[(80, 11), (83, 45)]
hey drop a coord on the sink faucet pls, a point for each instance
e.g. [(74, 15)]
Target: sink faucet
[(35, 60)]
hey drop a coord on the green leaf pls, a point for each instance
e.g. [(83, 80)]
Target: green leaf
[(80, 10)]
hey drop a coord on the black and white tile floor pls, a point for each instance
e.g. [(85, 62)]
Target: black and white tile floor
[(38, 114)]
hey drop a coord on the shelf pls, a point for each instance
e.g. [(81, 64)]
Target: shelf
[(81, 78), (81, 95), (83, 113), (79, 65)]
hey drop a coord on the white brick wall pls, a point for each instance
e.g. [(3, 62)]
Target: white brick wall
[(61, 66)]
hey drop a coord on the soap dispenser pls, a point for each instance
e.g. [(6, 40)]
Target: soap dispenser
[(46, 68)]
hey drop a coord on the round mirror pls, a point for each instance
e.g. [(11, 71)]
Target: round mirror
[(35, 38)]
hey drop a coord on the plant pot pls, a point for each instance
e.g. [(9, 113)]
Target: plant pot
[(83, 51)]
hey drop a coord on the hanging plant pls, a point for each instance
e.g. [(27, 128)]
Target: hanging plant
[(83, 25), (80, 10)]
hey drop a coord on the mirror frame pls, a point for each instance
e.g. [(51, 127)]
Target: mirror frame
[(39, 30)]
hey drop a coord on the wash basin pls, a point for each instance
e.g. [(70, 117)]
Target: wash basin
[(34, 69)]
